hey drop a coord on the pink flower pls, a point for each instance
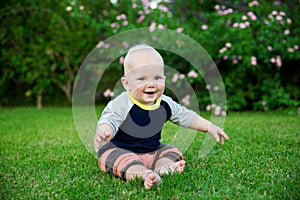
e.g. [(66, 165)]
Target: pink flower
[(217, 112), (121, 61), (146, 3), (163, 8), (244, 17), (186, 100), (113, 25), (217, 7), (125, 23), (134, 5), (69, 8), (235, 25), (278, 61), (225, 57), (286, 32), (247, 23), (108, 93), (100, 44), (125, 44), (230, 10), (278, 17), (282, 13), (253, 17), (253, 60), (175, 78), (274, 12), (263, 103), (204, 27), (253, 3), (208, 107), (123, 16), (277, 3), (179, 30), (152, 26), (296, 47), (272, 60), (228, 44), (269, 48), (242, 25), (222, 50), (147, 11), (223, 113), (181, 76), (216, 88), (192, 74), (161, 27), (140, 19)]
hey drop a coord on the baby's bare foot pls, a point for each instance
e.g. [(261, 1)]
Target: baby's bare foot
[(151, 180), (175, 167), (180, 166)]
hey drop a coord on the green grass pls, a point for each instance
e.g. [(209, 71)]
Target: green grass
[(42, 157)]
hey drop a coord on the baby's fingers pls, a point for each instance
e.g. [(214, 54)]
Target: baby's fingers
[(223, 136), (107, 135)]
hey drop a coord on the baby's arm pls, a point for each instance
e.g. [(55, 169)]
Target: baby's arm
[(104, 133), (204, 125)]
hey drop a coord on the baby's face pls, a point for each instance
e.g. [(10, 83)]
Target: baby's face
[(144, 76)]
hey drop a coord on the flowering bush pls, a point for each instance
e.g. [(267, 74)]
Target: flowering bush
[(255, 46)]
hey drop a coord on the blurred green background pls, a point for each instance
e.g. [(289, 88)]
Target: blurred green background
[(255, 45)]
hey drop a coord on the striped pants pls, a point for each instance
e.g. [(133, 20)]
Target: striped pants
[(117, 161)]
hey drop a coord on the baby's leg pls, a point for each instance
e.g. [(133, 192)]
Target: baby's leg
[(126, 165), (169, 160)]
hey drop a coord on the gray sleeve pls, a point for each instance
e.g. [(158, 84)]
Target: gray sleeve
[(180, 114), (116, 111)]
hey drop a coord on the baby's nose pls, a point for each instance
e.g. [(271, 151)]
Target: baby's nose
[(150, 84)]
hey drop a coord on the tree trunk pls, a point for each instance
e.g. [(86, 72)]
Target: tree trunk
[(39, 101)]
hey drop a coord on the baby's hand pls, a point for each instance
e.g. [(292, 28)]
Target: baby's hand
[(101, 138), (218, 133)]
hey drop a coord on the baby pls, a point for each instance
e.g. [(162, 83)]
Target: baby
[(128, 132)]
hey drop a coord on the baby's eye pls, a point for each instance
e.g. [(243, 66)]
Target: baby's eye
[(157, 77), (141, 79)]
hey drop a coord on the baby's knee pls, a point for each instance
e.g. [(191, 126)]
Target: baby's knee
[(170, 152), (117, 161)]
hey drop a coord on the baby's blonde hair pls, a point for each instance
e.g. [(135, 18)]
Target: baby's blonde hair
[(135, 49)]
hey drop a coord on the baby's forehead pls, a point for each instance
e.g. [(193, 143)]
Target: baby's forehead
[(142, 56)]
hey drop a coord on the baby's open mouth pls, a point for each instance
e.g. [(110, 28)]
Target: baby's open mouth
[(150, 92)]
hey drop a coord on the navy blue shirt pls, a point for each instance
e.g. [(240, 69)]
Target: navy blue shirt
[(140, 132)]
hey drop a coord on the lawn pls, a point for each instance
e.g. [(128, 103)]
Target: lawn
[(42, 157)]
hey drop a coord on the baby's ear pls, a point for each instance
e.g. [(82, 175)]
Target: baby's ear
[(124, 83)]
